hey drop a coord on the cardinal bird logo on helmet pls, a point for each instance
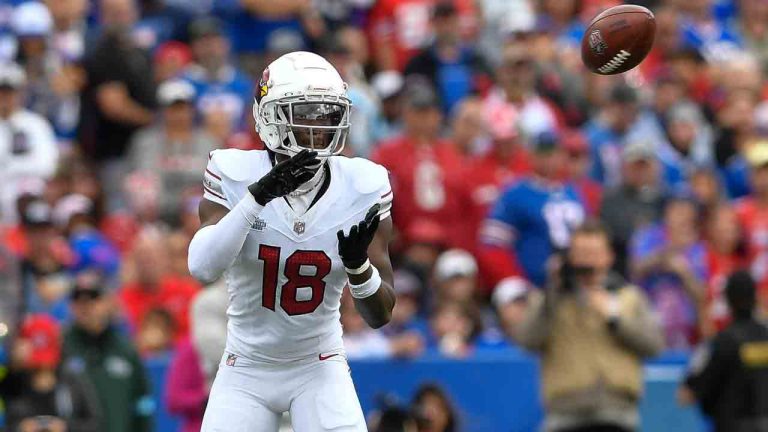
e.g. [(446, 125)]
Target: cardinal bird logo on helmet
[(263, 89)]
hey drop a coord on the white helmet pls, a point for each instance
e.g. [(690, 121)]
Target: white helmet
[(301, 95)]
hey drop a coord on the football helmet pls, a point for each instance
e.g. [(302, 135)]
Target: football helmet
[(301, 103)]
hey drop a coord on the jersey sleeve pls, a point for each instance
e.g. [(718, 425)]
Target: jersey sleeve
[(385, 201), (500, 227), (213, 188)]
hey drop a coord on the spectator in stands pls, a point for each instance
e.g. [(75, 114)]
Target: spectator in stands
[(737, 133), (398, 29), (425, 169), (119, 96), (516, 93), (753, 15), (453, 328), (154, 337), (74, 215), (608, 133), (532, 218), (38, 395), (752, 212), (455, 277), (511, 298), (174, 148), (255, 22), (505, 161), (154, 286), (361, 341), (435, 409), (32, 25), (705, 188), (209, 326), (27, 144), (592, 330), (725, 254), (188, 387), (45, 282), (94, 346), (729, 378), (222, 90), (425, 241), (389, 86), (405, 315), (668, 261), (577, 168), (688, 145), (451, 65), (636, 202), (468, 129), (170, 60)]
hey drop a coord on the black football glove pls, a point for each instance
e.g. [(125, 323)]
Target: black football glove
[(353, 248), (285, 177)]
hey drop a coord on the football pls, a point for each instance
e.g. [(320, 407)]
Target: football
[(618, 39)]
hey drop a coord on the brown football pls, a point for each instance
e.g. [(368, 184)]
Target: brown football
[(618, 39)]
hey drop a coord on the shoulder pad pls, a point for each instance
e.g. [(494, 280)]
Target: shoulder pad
[(237, 165), (366, 176)]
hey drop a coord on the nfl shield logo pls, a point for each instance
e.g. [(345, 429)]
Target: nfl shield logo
[(298, 227), (231, 360), (596, 42)]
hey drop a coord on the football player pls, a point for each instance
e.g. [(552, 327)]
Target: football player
[(289, 227)]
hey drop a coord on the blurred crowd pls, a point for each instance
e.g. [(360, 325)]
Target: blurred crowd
[(498, 141)]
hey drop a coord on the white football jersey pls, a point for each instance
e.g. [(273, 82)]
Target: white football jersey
[(285, 285)]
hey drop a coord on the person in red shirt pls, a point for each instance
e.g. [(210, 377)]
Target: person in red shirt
[(502, 164), (724, 256), (752, 212), (154, 286), (577, 171), (425, 171)]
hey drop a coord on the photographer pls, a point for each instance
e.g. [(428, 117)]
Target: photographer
[(592, 330)]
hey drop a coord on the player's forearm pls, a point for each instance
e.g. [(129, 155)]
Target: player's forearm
[(214, 248), (375, 308)]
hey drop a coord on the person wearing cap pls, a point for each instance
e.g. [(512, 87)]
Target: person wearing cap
[(516, 94), (39, 396), (45, 277), (577, 170), (221, 87), (388, 86), (637, 201), (448, 55), (28, 147), (668, 260), (609, 130), (531, 219), (425, 169), (174, 148), (455, 276), (592, 330), (688, 144), (510, 300), (32, 25), (728, 376), (94, 346), (752, 212)]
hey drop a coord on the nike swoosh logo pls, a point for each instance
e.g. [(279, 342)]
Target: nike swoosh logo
[(320, 356)]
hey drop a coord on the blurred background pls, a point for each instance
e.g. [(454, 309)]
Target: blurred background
[(109, 108)]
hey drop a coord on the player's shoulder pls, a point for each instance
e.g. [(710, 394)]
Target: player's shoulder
[(235, 164), (363, 175)]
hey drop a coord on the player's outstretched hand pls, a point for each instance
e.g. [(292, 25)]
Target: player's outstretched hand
[(353, 248), (285, 177)]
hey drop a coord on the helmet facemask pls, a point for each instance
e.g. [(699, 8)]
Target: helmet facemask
[(318, 122)]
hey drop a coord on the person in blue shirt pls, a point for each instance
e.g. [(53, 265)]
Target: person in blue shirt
[(454, 68), (219, 85), (534, 217), (608, 132)]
